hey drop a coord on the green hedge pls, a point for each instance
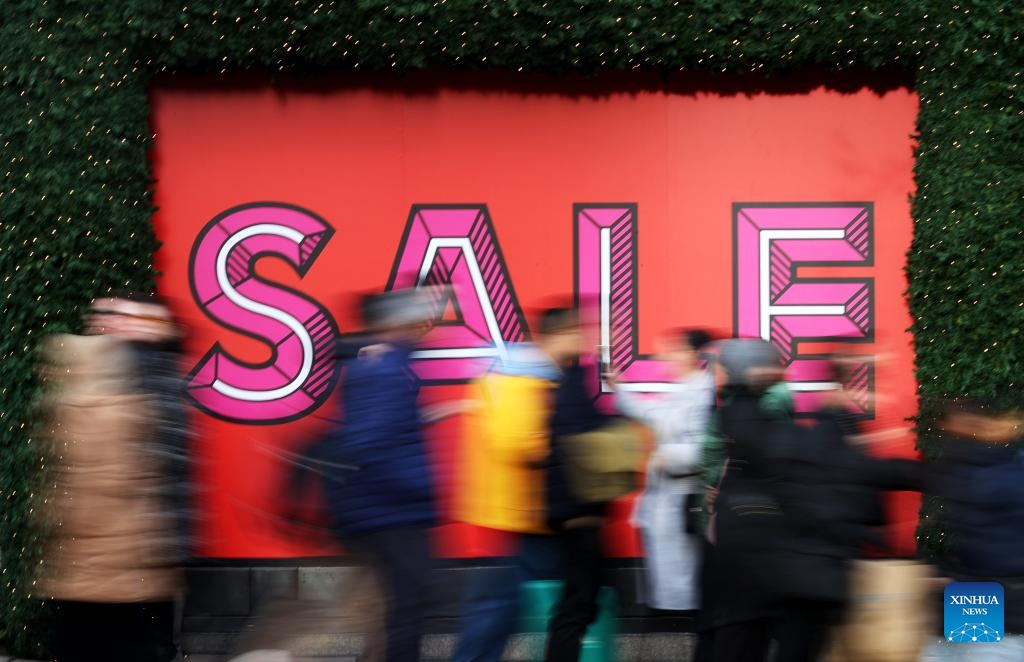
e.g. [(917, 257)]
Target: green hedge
[(74, 127)]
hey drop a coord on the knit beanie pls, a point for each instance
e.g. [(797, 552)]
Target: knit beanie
[(737, 356)]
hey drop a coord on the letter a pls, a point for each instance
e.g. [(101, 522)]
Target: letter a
[(453, 250)]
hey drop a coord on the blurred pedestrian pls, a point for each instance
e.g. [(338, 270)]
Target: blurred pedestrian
[(980, 477), (595, 458), (679, 419), (109, 564), (795, 508), (383, 505), (507, 446), (155, 341), (735, 612), (885, 613)]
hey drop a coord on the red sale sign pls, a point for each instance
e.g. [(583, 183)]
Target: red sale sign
[(781, 216)]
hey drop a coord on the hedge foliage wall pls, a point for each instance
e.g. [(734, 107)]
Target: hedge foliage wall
[(74, 203)]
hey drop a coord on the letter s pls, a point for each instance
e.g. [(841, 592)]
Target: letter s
[(300, 373)]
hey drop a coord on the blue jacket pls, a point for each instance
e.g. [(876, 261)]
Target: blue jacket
[(381, 475), (984, 490)]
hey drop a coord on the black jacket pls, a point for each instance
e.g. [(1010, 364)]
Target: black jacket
[(797, 502), (574, 412)]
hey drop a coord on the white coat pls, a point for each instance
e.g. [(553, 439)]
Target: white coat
[(679, 420)]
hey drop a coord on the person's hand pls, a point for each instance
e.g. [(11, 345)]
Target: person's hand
[(441, 411), (710, 495), (837, 397), (657, 462), (374, 351), (712, 530), (611, 378), (878, 436)]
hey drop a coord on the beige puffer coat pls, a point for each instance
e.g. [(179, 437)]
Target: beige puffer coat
[(107, 523)]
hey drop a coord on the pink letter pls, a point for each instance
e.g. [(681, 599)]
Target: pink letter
[(455, 246), (772, 241), (606, 274), (300, 373)]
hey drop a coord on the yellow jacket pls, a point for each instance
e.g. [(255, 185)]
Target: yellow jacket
[(505, 444)]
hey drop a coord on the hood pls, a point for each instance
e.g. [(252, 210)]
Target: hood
[(739, 355), (526, 360)]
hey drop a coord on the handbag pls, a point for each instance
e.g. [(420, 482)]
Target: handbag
[(693, 504), (603, 464), (693, 512)]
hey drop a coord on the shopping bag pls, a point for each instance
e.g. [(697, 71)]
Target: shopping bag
[(604, 464), (890, 613)]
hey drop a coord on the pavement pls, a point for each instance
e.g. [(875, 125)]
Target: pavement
[(253, 656), (524, 648), (330, 625)]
